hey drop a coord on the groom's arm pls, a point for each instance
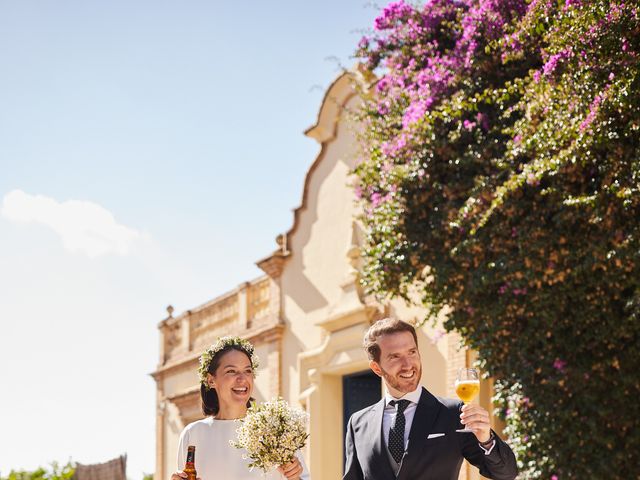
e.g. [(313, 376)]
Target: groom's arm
[(498, 464), (352, 469)]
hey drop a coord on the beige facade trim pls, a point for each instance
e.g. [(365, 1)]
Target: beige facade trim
[(321, 371), (324, 131)]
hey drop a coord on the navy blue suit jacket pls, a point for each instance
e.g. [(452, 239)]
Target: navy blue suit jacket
[(436, 458)]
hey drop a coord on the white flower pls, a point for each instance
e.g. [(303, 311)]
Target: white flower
[(271, 434)]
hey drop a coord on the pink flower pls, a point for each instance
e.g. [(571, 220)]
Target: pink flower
[(383, 85), (415, 112), (593, 111), (468, 125), (483, 120), (537, 75), (553, 61), (559, 365), (384, 107), (391, 14)]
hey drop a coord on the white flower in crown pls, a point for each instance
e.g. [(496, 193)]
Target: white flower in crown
[(221, 344), (271, 433)]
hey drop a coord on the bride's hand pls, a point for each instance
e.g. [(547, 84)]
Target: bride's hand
[(291, 470), (180, 475)]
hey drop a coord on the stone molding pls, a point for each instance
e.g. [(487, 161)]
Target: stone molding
[(190, 360)]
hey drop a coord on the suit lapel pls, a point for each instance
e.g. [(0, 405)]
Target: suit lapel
[(425, 417), (379, 453)]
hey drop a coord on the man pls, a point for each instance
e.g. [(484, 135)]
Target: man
[(411, 434)]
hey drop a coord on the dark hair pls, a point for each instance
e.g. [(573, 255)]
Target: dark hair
[(385, 326), (209, 396)]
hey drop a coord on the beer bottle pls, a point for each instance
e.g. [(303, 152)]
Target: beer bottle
[(190, 466)]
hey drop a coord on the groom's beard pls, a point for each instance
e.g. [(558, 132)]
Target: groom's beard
[(400, 384)]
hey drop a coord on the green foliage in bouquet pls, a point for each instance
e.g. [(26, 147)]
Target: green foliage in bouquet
[(501, 175)]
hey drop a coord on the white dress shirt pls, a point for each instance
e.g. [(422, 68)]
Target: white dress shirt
[(389, 414), (389, 417)]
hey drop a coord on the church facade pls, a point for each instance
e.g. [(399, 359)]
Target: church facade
[(306, 316)]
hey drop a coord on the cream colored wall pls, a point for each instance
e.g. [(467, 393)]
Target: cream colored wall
[(172, 427), (181, 380), (262, 383)]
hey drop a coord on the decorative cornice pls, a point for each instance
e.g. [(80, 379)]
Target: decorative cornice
[(170, 320), (273, 264), (346, 319), (188, 403), (185, 396)]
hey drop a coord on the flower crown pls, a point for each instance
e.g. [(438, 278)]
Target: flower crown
[(221, 344)]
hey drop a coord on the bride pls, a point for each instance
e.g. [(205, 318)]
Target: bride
[(227, 370)]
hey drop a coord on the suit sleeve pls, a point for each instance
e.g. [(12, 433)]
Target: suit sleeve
[(500, 464), (352, 469)]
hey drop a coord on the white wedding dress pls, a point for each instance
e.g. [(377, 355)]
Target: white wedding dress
[(216, 459)]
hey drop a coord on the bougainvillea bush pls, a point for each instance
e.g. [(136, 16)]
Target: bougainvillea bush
[(501, 174)]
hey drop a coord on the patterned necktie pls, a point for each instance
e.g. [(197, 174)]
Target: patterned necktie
[(396, 432)]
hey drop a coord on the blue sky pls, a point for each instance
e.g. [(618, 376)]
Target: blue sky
[(150, 152)]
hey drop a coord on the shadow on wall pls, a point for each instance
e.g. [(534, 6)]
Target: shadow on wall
[(305, 294), (434, 365)]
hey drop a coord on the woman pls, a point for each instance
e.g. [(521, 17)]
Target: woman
[(227, 370)]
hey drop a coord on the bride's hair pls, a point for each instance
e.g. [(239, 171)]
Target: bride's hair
[(209, 396)]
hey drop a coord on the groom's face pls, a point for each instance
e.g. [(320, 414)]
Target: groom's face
[(400, 366)]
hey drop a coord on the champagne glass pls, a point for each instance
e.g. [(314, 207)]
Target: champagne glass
[(467, 387)]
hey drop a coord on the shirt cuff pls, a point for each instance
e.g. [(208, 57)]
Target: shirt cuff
[(487, 451)]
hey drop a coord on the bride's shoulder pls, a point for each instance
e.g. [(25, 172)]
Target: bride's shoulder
[(202, 424)]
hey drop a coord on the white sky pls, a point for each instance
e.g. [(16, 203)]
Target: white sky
[(150, 152)]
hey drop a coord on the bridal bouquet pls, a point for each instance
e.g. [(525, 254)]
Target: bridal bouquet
[(271, 433)]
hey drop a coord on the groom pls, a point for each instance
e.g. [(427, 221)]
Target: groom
[(411, 434)]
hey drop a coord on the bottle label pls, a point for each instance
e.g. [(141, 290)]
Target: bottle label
[(191, 456)]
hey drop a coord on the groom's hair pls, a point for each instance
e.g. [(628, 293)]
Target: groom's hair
[(385, 326)]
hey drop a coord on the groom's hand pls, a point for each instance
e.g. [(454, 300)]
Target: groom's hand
[(291, 470), (476, 418)]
